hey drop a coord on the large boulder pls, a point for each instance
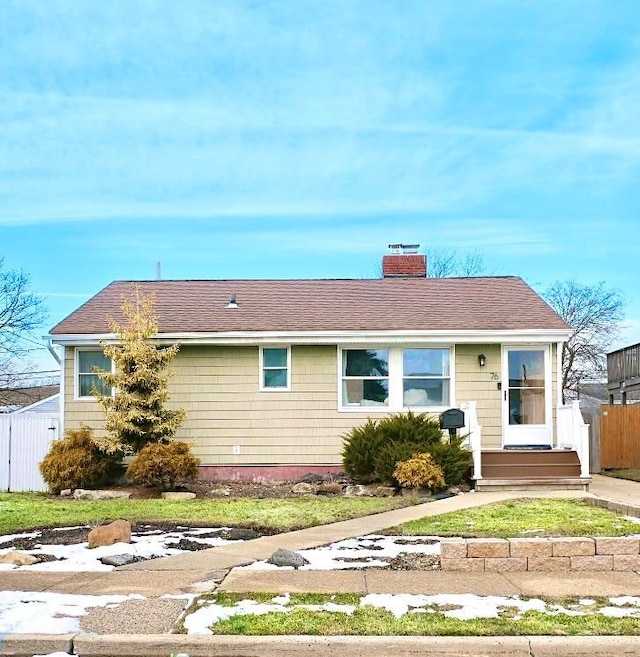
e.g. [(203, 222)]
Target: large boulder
[(119, 531), (18, 558), (331, 488), (282, 558)]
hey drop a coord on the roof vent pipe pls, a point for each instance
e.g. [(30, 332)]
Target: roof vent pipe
[(232, 302)]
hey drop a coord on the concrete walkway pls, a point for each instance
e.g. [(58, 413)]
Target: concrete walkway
[(212, 569)]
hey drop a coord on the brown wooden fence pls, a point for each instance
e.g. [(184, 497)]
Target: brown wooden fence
[(620, 436)]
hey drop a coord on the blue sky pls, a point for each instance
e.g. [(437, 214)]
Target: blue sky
[(299, 138)]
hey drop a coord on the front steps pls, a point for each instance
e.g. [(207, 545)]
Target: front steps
[(514, 469)]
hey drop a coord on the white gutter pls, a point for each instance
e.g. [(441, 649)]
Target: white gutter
[(334, 337)]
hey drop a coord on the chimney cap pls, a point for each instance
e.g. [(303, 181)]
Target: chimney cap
[(404, 248)]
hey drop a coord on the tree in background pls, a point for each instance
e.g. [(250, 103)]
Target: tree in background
[(594, 313), (445, 263), (135, 414), (21, 311)]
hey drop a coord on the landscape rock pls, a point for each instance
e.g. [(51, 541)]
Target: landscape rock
[(84, 494), (384, 491), (333, 488), (357, 490), (118, 560), (282, 557), (66, 492), (177, 495), (119, 531), (303, 488), (18, 558)]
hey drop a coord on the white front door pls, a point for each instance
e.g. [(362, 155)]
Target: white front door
[(526, 396)]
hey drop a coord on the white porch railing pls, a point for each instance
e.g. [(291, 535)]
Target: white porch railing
[(573, 433), (473, 436)]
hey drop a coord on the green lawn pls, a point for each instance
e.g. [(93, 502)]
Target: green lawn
[(431, 621), (524, 517), (20, 511)]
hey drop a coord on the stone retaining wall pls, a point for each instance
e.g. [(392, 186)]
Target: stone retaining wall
[(540, 554)]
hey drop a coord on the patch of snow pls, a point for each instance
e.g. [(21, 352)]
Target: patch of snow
[(370, 552), (51, 613), (78, 556), (8, 538)]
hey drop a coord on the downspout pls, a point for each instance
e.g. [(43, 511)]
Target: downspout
[(52, 351)]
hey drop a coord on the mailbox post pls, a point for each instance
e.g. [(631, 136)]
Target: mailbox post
[(452, 419)]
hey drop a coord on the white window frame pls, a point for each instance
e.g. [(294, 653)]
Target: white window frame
[(261, 369), (396, 379), (76, 374)]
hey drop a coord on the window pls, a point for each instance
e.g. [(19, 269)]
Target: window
[(365, 377), (275, 365), (87, 362), (395, 378), (425, 377)]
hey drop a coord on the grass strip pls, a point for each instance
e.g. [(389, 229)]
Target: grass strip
[(373, 621), (523, 517), (23, 511)]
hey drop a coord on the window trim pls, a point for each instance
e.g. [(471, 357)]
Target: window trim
[(76, 374), (261, 369), (396, 379)]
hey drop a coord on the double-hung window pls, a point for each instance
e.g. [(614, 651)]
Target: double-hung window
[(88, 363), (365, 377), (275, 366), (425, 377), (396, 378)]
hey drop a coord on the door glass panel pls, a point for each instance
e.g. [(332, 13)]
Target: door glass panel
[(526, 387)]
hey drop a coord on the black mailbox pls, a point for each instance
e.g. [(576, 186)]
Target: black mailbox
[(452, 419)]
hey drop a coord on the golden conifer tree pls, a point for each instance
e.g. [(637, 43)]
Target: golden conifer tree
[(135, 414)]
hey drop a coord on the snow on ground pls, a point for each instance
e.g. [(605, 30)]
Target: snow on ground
[(50, 613), (460, 606), (361, 552), (78, 557)]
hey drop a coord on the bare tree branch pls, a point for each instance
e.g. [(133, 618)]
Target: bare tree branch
[(21, 311), (594, 312), (444, 263)]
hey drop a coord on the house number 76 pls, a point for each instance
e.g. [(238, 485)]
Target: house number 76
[(495, 376)]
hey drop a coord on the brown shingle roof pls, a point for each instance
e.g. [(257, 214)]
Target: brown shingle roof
[(491, 303)]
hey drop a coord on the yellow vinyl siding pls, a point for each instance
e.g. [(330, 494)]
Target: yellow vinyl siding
[(218, 386), (475, 383)]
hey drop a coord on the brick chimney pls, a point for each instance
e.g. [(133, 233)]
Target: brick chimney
[(404, 261)]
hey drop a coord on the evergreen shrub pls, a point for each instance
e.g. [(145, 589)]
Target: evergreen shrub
[(419, 471), (160, 465), (372, 450), (77, 461)]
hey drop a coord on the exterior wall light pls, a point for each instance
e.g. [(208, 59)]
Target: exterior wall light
[(482, 360)]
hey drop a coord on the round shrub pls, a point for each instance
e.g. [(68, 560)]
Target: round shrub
[(160, 465), (76, 461), (419, 472), (363, 446)]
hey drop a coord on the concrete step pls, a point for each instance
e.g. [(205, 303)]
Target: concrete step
[(532, 483)]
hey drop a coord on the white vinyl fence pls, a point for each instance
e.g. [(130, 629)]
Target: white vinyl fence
[(24, 442)]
